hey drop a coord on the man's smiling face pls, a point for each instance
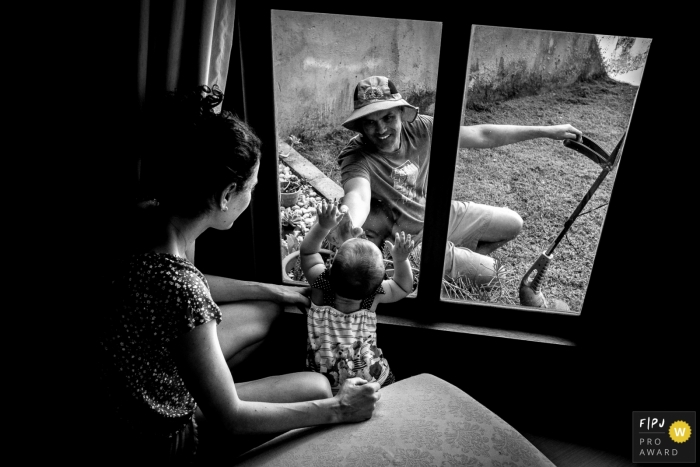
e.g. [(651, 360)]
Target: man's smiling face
[(383, 129)]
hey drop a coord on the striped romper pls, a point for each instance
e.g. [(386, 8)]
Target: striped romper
[(344, 345)]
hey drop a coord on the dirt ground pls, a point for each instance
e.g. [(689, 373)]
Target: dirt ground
[(541, 179)]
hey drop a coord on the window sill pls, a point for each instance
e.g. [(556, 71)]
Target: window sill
[(452, 326)]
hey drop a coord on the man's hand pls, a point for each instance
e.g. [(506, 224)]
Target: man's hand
[(328, 214), (560, 132), (345, 229), (402, 248), (357, 399)]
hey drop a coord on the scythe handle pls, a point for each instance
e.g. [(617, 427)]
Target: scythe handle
[(540, 266), (530, 287)]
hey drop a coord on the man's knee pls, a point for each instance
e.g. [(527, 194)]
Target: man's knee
[(517, 223), (462, 262), (510, 223)]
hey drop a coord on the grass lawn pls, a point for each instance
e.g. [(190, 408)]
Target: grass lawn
[(541, 179)]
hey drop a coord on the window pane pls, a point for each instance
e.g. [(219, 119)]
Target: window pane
[(511, 200), (319, 59)]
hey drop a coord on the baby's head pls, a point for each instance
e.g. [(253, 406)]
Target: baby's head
[(357, 270)]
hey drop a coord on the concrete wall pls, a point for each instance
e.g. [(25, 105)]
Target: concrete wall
[(624, 57), (319, 58), (506, 62)]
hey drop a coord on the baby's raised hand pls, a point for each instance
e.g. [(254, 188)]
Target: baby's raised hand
[(402, 247), (328, 214)]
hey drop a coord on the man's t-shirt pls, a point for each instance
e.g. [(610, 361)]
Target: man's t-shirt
[(398, 180)]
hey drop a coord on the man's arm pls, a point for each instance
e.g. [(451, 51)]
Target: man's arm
[(492, 136), (357, 200)]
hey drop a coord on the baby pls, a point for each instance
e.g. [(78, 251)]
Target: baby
[(342, 322)]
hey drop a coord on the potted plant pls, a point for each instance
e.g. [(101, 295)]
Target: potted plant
[(292, 268), (290, 189), (291, 220)]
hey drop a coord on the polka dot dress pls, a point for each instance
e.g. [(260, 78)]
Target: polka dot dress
[(158, 298)]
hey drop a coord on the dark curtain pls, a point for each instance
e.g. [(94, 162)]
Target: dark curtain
[(183, 44), (178, 44)]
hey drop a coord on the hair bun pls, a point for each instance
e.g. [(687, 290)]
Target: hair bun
[(211, 97)]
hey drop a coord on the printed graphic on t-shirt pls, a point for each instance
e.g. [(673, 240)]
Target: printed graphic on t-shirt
[(405, 177)]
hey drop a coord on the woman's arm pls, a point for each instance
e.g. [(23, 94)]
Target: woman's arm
[(203, 368), (491, 136), (224, 289)]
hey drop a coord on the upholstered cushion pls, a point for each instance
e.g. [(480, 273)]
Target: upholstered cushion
[(419, 421)]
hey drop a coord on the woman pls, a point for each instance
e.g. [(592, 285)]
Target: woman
[(168, 346)]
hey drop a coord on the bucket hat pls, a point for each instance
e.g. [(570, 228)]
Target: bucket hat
[(373, 94)]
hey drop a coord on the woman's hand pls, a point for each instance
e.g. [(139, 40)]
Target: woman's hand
[(291, 295), (402, 248), (356, 400)]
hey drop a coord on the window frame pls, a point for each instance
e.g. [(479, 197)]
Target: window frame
[(564, 328)]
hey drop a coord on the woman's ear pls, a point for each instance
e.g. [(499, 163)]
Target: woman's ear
[(226, 196)]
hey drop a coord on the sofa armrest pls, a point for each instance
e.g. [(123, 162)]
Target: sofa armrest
[(419, 421)]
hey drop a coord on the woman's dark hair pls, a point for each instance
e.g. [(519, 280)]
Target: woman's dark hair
[(192, 153)]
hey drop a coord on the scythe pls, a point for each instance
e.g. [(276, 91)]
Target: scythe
[(530, 294)]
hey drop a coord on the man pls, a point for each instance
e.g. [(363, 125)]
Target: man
[(384, 173)]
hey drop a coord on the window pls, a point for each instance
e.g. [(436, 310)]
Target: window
[(542, 78), (428, 308), (318, 61)]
